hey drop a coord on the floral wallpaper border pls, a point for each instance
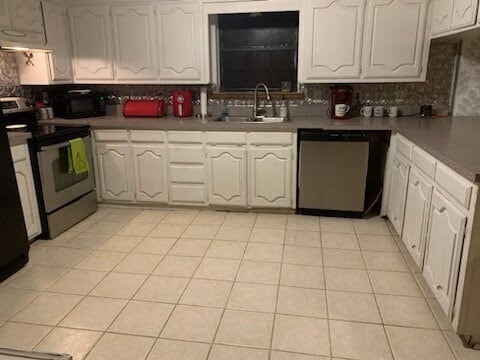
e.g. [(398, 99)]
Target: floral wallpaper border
[(467, 94)]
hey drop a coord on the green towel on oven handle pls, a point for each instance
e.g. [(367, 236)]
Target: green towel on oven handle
[(77, 157)]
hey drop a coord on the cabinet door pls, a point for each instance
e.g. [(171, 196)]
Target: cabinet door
[(180, 39), (4, 15), (26, 15), (270, 177), (417, 208), (398, 192), (28, 197), (135, 42), (464, 13), (442, 16), (336, 56), (227, 176), (114, 172), (92, 42), (444, 245), (150, 170), (58, 36), (405, 21)]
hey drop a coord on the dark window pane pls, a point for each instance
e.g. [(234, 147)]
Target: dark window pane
[(258, 47)]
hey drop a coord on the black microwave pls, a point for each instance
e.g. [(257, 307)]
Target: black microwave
[(79, 104)]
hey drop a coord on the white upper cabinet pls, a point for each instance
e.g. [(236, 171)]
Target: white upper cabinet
[(396, 39), (92, 42), (444, 245), (398, 192), (442, 16), (417, 208), (21, 21), (150, 172), (180, 39), (4, 15), (270, 177), (227, 176), (58, 36), (26, 15), (134, 42), (464, 13), (333, 39)]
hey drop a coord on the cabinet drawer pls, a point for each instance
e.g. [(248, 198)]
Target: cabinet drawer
[(424, 162), (403, 146), (19, 152), (189, 137), (186, 154), (111, 135), (148, 136), (187, 193), (187, 173), (222, 138), (264, 138), (454, 184)]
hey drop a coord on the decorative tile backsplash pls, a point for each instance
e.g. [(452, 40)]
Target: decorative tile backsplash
[(436, 90), (467, 94), (9, 80)]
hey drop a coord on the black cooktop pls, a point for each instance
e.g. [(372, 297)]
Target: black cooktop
[(42, 131)]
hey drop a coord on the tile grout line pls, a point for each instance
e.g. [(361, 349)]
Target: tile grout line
[(180, 296), (376, 300), (278, 292), (212, 343), (115, 318), (329, 331)]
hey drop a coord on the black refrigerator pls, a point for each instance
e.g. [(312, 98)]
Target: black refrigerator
[(14, 243)]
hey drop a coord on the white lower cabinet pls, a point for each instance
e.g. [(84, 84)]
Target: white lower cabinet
[(437, 225), (417, 209), (270, 177), (150, 173), (114, 172), (195, 168), (398, 192), (444, 245), (26, 189), (227, 176)]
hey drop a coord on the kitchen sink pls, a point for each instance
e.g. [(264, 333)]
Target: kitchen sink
[(248, 119)]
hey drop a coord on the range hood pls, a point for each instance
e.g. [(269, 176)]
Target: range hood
[(8, 45)]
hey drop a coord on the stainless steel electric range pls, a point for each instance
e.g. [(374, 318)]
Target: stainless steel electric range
[(65, 198)]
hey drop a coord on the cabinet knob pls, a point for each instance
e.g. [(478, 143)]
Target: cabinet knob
[(414, 246), (439, 287)]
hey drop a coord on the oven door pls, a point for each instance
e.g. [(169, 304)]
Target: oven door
[(60, 187)]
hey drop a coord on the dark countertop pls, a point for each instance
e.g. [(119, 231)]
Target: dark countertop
[(452, 140), (18, 138)]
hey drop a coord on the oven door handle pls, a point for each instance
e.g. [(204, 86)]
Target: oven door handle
[(58, 146)]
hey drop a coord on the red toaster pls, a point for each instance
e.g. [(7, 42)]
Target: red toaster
[(144, 108)]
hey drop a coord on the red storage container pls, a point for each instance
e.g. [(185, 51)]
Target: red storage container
[(182, 103), (144, 108)]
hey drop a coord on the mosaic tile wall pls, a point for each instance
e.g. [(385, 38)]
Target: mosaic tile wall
[(467, 94), (436, 90), (9, 81)]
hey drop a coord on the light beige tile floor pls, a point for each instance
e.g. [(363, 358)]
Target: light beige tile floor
[(137, 284)]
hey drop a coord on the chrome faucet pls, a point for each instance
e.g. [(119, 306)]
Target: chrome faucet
[(255, 98)]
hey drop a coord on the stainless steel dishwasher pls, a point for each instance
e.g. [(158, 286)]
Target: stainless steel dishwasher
[(332, 172)]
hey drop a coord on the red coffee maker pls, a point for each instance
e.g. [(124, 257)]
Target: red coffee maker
[(182, 103), (341, 101)]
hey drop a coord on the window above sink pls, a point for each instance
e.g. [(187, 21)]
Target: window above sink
[(256, 47)]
